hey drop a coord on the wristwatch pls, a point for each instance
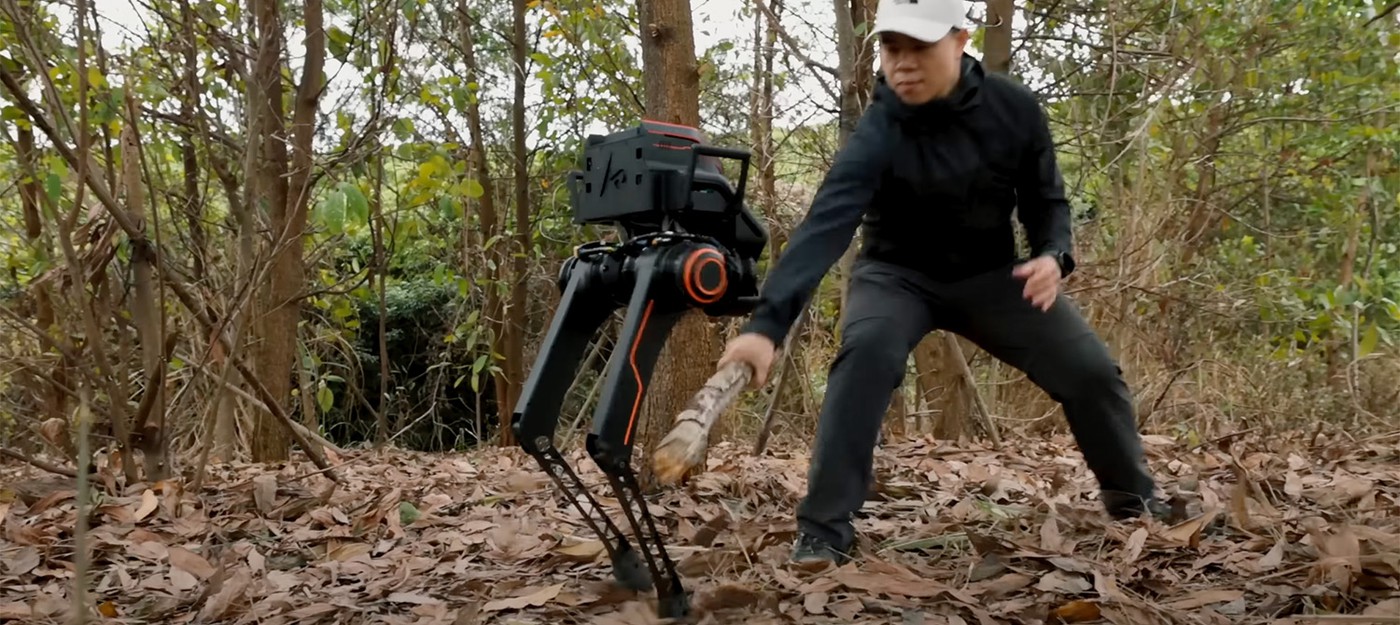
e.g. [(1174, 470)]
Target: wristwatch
[(1064, 259)]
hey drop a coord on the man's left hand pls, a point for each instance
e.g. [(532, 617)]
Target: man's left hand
[(1042, 276)]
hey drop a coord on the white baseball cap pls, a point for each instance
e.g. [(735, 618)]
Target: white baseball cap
[(925, 20)]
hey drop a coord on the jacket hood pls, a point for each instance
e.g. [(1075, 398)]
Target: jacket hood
[(967, 95)]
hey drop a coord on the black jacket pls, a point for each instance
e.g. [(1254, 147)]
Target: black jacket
[(933, 187)]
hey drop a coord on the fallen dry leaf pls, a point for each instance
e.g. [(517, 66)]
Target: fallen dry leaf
[(728, 596), (1064, 583), (1006, 584), (413, 597), (1076, 612), (534, 596), (23, 561), (1389, 607), (149, 503), (265, 493), (959, 534), (225, 601), (846, 609), (181, 579), (349, 551), (1188, 532), (1134, 546), (15, 610), (1129, 614), (1270, 560), (889, 579), (1050, 539), (190, 562), (586, 551), (1204, 598)]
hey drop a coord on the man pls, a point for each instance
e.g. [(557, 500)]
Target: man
[(933, 170)]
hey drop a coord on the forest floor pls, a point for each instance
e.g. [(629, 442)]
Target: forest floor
[(1275, 532)]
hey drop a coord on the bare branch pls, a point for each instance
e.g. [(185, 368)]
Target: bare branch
[(792, 45)]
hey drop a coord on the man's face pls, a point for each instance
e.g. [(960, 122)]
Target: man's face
[(920, 71)]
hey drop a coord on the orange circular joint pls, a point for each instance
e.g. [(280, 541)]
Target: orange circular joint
[(694, 276)]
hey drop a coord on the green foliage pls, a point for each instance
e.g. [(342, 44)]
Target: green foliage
[(1292, 133), (427, 366), (1273, 120)]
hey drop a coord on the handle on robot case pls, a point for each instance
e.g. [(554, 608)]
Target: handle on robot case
[(709, 150)]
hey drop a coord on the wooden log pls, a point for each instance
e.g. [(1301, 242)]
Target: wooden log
[(684, 446)]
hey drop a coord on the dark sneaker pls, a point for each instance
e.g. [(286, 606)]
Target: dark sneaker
[(1133, 507), (812, 550)]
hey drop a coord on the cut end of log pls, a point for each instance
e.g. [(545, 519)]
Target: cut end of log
[(683, 448), (679, 452)]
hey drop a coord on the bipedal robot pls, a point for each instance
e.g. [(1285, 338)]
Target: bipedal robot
[(690, 244)]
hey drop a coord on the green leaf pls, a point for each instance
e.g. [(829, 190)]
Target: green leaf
[(1369, 338), (474, 189), (436, 165), (447, 209), (341, 309), (332, 212), (408, 513), (403, 128), (356, 203), (95, 78), (338, 41), (53, 187), (325, 398)]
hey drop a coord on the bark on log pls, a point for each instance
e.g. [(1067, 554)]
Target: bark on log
[(684, 446)]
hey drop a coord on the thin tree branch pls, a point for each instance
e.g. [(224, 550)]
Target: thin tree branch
[(791, 44), (51, 468), (1384, 12), (138, 239)]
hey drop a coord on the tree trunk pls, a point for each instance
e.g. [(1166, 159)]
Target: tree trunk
[(490, 270), (54, 399), (189, 106), (937, 362), (520, 286), (766, 28), (761, 121), (281, 190), (381, 274), (997, 41), (851, 52), (267, 195), (145, 312), (672, 84), (939, 392), (863, 74)]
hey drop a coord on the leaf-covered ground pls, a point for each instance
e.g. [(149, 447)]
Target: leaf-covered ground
[(954, 535)]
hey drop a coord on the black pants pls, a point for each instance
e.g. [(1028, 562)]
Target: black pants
[(890, 310)]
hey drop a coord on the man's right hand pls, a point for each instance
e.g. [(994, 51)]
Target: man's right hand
[(753, 349)]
